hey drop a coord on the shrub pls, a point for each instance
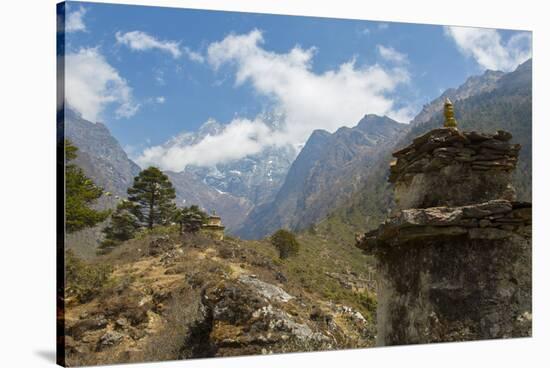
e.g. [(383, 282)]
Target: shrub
[(144, 233), (369, 302), (285, 242), (83, 280), (190, 219), (106, 246)]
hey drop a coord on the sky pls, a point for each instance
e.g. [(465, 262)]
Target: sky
[(153, 75)]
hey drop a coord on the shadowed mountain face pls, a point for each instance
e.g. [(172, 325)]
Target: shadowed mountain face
[(327, 171), (100, 154), (105, 162)]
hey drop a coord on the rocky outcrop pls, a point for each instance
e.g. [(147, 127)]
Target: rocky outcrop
[(250, 316), (189, 296), (454, 259)]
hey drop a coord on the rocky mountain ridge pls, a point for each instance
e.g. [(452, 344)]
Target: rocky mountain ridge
[(326, 171), (506, 107), (474, 85)]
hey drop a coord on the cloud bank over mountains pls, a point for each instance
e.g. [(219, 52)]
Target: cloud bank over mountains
[(307, 100)]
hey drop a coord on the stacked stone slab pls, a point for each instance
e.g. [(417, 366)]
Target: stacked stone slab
[(449, 167), (454, 259)]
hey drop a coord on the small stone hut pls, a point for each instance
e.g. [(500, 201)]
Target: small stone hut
[(214, 226), (454, 259)]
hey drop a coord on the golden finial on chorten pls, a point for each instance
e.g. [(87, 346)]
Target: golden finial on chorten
[(448, 112)]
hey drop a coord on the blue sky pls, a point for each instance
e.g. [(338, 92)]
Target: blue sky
[(152, 73)]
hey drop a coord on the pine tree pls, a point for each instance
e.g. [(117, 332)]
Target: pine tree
[(153, 194), (80, 194), (125, 221), (190, 218)]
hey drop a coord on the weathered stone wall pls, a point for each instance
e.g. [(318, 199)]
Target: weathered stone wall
[(446, 167), (454, 261)]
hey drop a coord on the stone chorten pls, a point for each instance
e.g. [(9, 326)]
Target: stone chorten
[(214, 226), (454, 259)]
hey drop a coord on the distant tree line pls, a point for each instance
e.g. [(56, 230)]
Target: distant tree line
[(150, 203)]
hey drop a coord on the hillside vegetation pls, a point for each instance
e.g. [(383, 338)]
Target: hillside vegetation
[(163, 296)]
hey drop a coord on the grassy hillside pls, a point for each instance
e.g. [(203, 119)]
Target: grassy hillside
[(164, 296)]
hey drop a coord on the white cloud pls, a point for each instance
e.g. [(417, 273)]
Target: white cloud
[(239, 138), (160, 99), (141, 41), (91, 84), (307, 100), (392, 55), (404, 114), (193, 55), (75, 20), (488, 48)]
